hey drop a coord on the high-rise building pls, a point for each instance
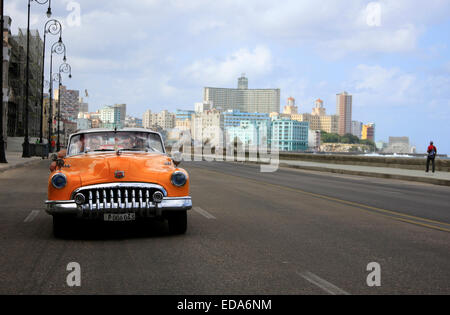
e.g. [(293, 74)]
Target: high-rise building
[(233, 118), (83, 107), (344, 111), (83, 122), (183, 119), (164, 120), (327, 123), (147, 119), (243, 82), (113, 116), (132, 122), (398, 145), (202, 106), (318, 109), (357, 127), (122, 108), (207, 127), (290, 135), (243, 99), (250, 133), (290, 108), (314, 137), (182, 114), (6, 34), (368, 132), (70, 105), (14, 67)]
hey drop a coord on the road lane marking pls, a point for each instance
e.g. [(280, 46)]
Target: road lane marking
[(204, 213), (441, 226), (31, 216), (321, 283)]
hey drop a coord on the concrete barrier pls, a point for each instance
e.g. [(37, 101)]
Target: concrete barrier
[(411, 163), (442, 165), (14, 144)]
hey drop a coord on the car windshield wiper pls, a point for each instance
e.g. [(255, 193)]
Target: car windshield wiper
[(133, 149), (138, 149), (102, 150)]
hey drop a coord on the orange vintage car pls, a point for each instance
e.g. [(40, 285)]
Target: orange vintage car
[(120, 175)]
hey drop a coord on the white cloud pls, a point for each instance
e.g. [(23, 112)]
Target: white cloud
[(222, 72), (379, 86), (164, 49)]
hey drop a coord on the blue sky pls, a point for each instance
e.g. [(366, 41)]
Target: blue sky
[(159, 54)]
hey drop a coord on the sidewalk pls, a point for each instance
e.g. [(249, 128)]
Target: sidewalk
[(438, 178), (15, 160)]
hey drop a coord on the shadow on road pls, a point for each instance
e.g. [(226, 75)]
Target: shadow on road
[(104, 231)]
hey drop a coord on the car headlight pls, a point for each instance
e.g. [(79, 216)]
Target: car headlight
[(179, 179), (59, 181)]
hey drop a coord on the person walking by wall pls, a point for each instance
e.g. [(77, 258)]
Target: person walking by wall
[(432, 151), (53, 144)]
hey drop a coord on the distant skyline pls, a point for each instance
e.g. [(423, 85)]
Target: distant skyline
[(159, 54)]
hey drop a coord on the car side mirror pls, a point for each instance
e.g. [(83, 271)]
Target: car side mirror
[(177, 157), (62, 154)]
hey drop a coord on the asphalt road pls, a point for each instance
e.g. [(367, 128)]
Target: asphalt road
[(289, 232)]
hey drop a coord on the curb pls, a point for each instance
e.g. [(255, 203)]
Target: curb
[(435, 181), (19, 165)]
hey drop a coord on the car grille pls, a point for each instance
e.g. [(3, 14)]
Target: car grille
[(119, 197)]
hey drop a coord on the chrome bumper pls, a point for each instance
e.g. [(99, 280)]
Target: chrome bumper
[(142, 209)]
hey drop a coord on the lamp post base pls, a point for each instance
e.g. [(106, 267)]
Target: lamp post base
[(26, 149), (2, 152)]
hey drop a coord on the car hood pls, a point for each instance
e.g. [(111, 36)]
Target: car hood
[(136, 167)]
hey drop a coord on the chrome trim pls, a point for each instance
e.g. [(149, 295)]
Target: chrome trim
[(157, 197), (97, 195), (150, 209), (90, 199), (54, 202), (119, 199), (112, 196), (80, 201), (121, 185)]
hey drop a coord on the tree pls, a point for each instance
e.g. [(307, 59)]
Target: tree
[(329, 137)]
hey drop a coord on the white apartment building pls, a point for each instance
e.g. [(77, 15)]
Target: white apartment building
[(202, 106), (357, 127), (243, 99), (164, 120), (207, 127)]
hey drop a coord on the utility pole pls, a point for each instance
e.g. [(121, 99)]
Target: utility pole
[(2, 140)]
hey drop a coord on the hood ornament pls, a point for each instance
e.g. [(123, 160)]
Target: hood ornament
[(119, 174)]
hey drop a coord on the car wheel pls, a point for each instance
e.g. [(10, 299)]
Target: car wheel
[(62, 226), (177, 222)]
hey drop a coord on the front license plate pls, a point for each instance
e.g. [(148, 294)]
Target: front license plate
[(116, 217)]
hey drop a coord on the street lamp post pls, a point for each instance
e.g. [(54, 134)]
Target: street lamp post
[(57, 48), (64, 68), (2, 140), (52, 27), (26, 144)]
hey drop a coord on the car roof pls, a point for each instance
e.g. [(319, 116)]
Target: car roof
[(95, 130)]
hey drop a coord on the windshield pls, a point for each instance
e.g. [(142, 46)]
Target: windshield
[(113, 141)]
